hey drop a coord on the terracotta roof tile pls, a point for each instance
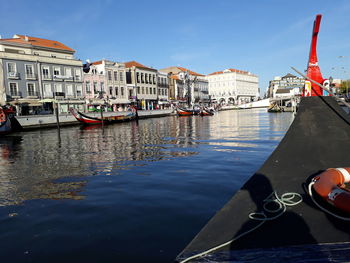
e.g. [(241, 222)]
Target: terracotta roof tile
[(39, 42), (190, 71), (133, 63)]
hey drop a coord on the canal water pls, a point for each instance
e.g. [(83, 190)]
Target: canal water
[(130, 192)]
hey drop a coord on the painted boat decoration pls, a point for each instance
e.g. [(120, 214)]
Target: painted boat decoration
[(8, 122), (281, 214), (186, 112), (5, 123), (86, 119)]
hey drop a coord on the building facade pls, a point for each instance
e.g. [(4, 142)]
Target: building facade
[(142, 85), (105, 84), (163, 89), (196, 87), (232, 86), (286, 86), (36, 73)]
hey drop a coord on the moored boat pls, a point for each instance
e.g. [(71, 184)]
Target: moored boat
[(186, 112), (86, 119), (8, 122), (206, 112)]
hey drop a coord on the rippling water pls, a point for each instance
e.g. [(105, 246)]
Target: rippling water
[(131, 192)]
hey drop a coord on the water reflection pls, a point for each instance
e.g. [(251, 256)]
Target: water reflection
[(31, 165), (157, 179)]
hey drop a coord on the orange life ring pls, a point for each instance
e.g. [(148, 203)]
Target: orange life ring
[(330, 185)]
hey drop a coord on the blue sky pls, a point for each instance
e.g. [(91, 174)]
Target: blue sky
[(264, 37)]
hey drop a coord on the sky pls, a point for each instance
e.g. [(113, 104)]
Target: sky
[(264, 37)]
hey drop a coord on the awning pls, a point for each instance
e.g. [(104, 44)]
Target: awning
[(48, 101), (119, 101), (163, 102), (27, 102)]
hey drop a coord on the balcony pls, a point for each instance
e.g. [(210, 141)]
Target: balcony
[(15, 95), (47, 77), (78, 78), (13, 75), (33, 94), (31, 76)]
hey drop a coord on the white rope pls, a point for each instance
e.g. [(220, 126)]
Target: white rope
[(282, 202), (322, 208)]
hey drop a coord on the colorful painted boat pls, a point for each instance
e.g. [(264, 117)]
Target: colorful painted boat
[(86, 119), (186, 112), (8, 122), (5, 123)]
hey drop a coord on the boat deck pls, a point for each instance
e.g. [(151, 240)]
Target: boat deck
[(319, 138)]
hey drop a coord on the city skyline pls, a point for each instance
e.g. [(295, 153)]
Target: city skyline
[(262, 37)]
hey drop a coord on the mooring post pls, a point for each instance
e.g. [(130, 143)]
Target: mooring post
[(57, 116)]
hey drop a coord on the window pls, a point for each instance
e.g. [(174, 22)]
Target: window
[(79, 90), (109, 74), (68, 72), (69, 89), (121, 74), (102, 85), (111, 91), (87, 87), (13, 89), (154, 90), (115, 75), (138, 90), (29, 71), (77, 74), (116, 91), (46, 72), (154, 79), (58, 87), (150, 90), (143, 90), (11, 67), (47, 90), (31, 89), (122, 91), (146, 77), (142, 79), (56, 71), (95, 87), (138, 77), (150, 78)]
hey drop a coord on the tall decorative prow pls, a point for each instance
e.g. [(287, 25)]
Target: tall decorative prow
[(313, 70)]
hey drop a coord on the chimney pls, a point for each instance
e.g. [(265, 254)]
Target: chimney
[(26, 38), (0, 37)]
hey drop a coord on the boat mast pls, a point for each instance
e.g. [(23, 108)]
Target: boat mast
[(313, 70)]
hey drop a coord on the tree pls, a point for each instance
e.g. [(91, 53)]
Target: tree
[(344, 86)]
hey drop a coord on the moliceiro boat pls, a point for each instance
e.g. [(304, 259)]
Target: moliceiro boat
[(8, 122), (295, 208), (86, 119), (187, 112)]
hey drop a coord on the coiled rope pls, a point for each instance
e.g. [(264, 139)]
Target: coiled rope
[(274, 205)]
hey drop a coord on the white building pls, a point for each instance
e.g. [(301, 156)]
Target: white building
[(198, 85), (232, 86), (286, 86), (34, 72), (142, 84)]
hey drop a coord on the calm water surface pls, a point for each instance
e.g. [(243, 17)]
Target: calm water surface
[(131, 192)]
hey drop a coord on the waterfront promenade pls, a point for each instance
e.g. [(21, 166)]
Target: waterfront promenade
[(46, 121)]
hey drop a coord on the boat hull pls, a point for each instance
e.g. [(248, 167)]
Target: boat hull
[(90, 120), (186, 112)]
